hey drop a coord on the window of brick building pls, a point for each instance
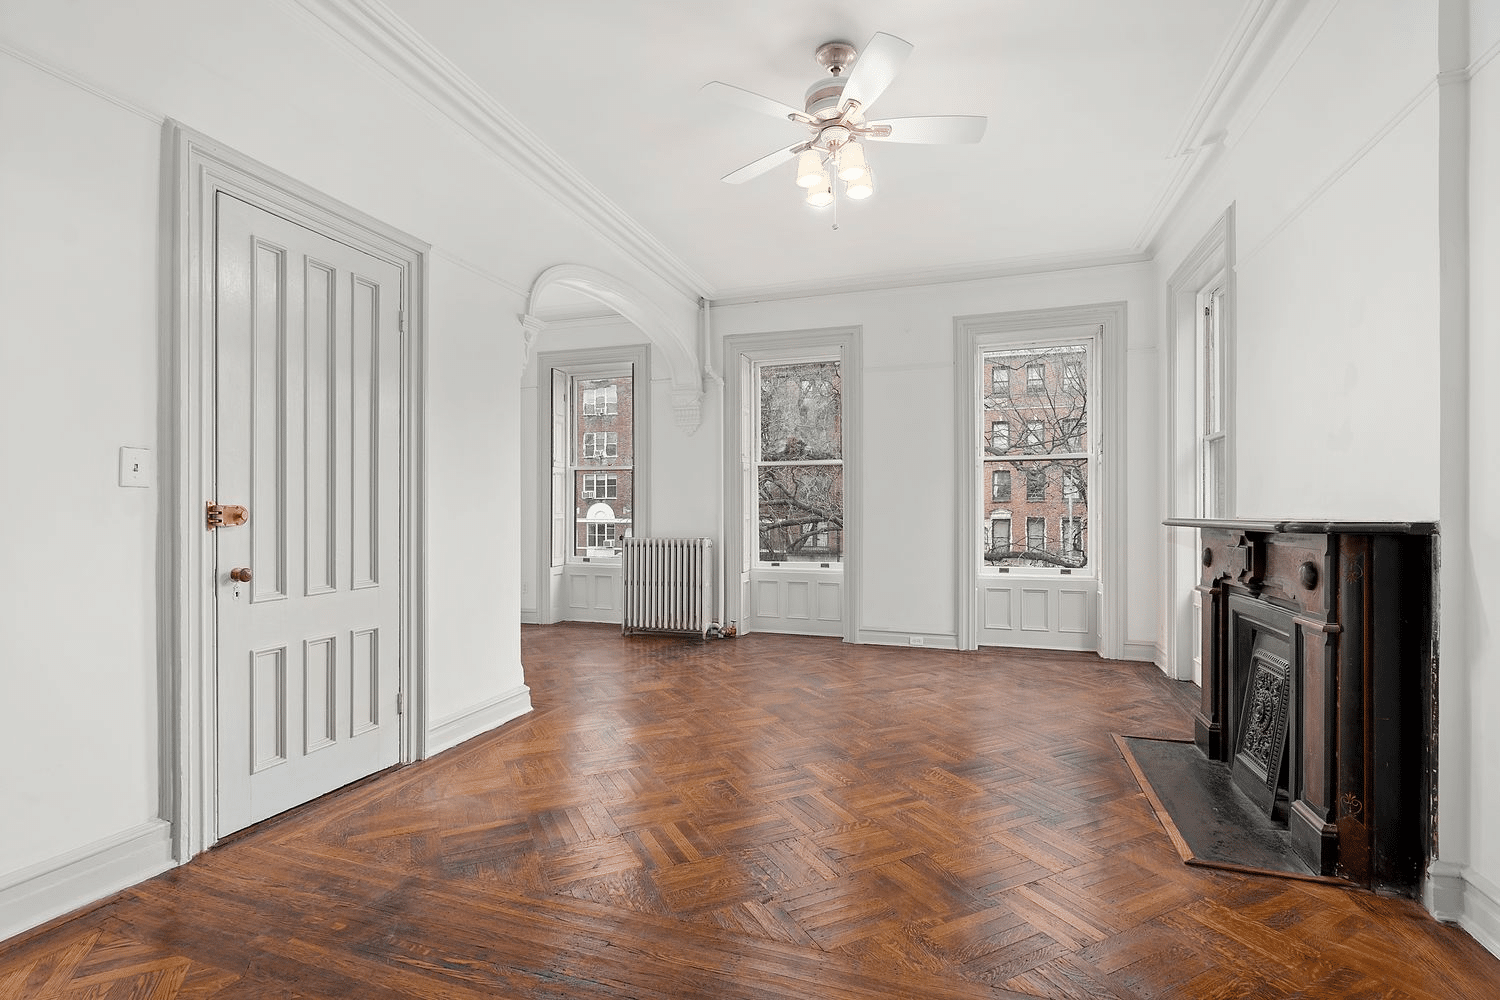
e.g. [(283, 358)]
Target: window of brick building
[(1053, 452), (1000, 381), (601, 462), (799, 461)]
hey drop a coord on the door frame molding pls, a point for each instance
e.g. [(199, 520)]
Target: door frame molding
[(196, 170)]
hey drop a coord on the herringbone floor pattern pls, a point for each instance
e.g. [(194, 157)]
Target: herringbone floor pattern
[(767, 817)]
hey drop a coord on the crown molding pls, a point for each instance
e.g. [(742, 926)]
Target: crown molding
[(1227, 71), (375, 31), (1264, 44), (983, 271)]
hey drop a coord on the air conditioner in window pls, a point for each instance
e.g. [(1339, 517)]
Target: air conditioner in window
[(588, 494)]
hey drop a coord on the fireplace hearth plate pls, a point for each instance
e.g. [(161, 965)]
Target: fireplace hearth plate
[(1210, 821)]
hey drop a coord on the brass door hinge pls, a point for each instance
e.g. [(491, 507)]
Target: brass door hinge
[(224, 516)]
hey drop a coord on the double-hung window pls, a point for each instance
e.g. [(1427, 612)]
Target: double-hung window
[(601, 462), (799, 462), (1052, 454), (1212, 440)]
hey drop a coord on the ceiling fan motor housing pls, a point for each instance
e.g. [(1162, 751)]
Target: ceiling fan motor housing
[(823, 96)]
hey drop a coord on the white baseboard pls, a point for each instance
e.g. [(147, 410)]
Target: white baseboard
[(531, 616), (453, 730), (1137, 649), (35, 895), (894, 637), (1460, 895)]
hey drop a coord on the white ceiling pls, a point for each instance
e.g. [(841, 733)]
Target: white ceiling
[(1087, 101)]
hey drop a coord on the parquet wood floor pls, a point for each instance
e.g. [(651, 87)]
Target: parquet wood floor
[(766, 817)]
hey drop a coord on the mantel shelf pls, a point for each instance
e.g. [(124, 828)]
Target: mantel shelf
[(1291, 527)]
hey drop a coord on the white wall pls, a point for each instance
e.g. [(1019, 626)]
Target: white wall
[(78, 379), (908, 553), (1334, 184), (1477, 686), (84, 89), (1345, 343)]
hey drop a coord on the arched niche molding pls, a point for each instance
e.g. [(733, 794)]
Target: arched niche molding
[(649, 318)]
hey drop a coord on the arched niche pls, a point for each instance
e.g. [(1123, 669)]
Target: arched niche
[(663, 332)]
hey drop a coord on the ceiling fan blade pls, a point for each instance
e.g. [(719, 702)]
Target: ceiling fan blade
[(875, 68), (751, 101), (768, 162), (943, 129)]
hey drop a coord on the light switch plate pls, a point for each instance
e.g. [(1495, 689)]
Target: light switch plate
[(136, 467)]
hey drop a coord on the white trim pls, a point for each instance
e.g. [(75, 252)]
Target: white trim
[(195, 169), (1304, 23), (1110, 319), (871, 636), (449, 732), (1142, 650), (396, 49), (72, 79), (1457, 894), (1214, 253), (32, 896), (776, 346), (1226, 74)]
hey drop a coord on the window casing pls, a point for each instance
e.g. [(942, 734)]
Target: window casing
[(798, 454)]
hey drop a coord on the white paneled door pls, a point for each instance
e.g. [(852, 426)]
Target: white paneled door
[(308, 423)]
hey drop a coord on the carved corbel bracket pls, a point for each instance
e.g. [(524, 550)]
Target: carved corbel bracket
[(531, 329), (1247, 560), (687, 409)]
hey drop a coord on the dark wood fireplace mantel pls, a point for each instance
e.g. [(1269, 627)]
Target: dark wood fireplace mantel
[(1332, 621)]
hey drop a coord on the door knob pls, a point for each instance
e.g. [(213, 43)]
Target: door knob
[(240, 575)]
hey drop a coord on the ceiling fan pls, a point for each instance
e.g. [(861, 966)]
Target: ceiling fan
[(835, 112)]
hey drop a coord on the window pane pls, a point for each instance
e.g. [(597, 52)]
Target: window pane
[(602, 477), (1051, 417), (999, 380), (1036, 485), (603, 421), (801, 513), (603, 511), (801, 415), (1051, 514)]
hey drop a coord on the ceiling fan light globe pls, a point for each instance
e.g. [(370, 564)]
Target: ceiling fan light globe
[(852, 161), (809, 169), (822, 195), (862, 186)]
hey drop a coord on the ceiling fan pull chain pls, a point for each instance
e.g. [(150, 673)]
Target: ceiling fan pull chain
[(835, 187)]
